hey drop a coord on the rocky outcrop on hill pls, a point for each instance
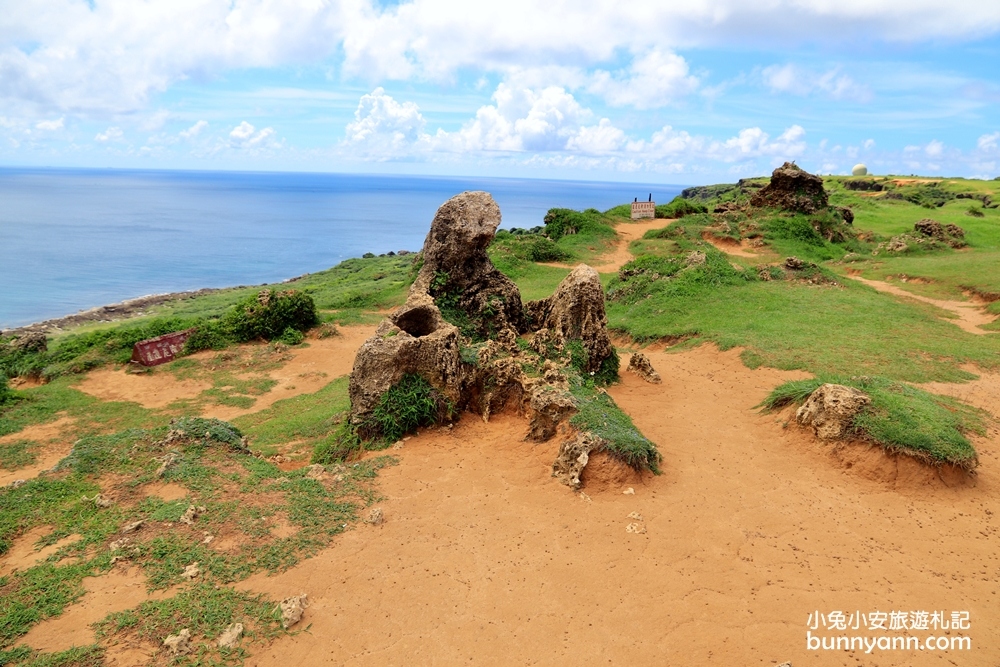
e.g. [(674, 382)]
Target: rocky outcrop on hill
[(576, 312), (457, 272), (458, 331), (413, 340), (831, 409), (792, 189), (953, 235)]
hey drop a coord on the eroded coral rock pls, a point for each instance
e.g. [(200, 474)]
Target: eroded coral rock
[(458, 273), (547, 409), (576, 312), (640, 365), (415, 339), (951, 234), (292, 609), (792, 189), (179, 644), (830, 410), (573, 457), (230, 637)]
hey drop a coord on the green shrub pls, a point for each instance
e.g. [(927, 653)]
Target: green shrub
[(545, 250), (338, 446), (680, 207), (7, 394), (210, 335), (410, 403), (561, 222), (268, 314), (291, 336)]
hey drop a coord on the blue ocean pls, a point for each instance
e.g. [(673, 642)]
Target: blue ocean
[(76, 239)]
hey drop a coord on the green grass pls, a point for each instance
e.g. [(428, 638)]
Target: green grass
[(598, 413), (206, 611), (308, 417), (17, 454), (901, 418)]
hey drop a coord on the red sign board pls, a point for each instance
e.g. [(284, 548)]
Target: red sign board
[(159, 350)]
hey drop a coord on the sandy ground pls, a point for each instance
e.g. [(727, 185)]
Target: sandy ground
[(729, 246), (484, 559), (23, 554), (971, 315), (56, 443), (619, 255), (309, 370), (120, 589)]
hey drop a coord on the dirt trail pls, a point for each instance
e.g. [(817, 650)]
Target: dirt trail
[(55, 442), (983, 393), (484, 559), (309, 370), (619, 256), (971, 316), (728, 245)]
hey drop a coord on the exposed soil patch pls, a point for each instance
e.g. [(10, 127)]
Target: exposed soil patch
[(153, 390), (983, 393), (483, 557), (116, 590), (729, 245), (619, 256), (971, 316), (165, 491), (55, 442), (24, 554), (308, 370)]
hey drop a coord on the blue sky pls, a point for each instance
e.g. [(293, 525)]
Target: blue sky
[(688, 91)]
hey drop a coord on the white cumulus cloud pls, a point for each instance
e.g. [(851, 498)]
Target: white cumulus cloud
[(194, 130), (50, 125), (796, 80), (989, 142), (653, 80), (110, 134), (246, 136)]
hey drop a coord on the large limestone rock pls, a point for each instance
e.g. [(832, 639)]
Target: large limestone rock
[(792, 189), (414, 339), (576, 312), (457, 272), (830, 410)]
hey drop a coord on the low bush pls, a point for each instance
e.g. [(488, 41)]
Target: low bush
[(269, 313), (410, 403), (7, 394), (680, 207)]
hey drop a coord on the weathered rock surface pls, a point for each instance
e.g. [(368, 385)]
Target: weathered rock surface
[(458, 273), (414, 339), (576, 312), (30, 341), (179, 644), (792, 189), (641, 366), (951, 234), (573, 457), (548, 407), (830, 410), (292, 609), (230, 637)]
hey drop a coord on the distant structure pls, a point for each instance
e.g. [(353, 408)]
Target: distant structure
[(859, 170), (643, 209)]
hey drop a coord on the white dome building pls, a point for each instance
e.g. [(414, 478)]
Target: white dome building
[(859, 170)]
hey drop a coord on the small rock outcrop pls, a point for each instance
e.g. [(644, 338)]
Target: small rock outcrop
[(573, 457), (30, 341), (230, 637), (179, 644), (548, 408), (830, 410), (953, 235), (640, 365), (292, 609), (792, 189), (458, 273), (576, 312)]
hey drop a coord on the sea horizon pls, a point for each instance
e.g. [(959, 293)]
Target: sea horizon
[(76, 238)]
